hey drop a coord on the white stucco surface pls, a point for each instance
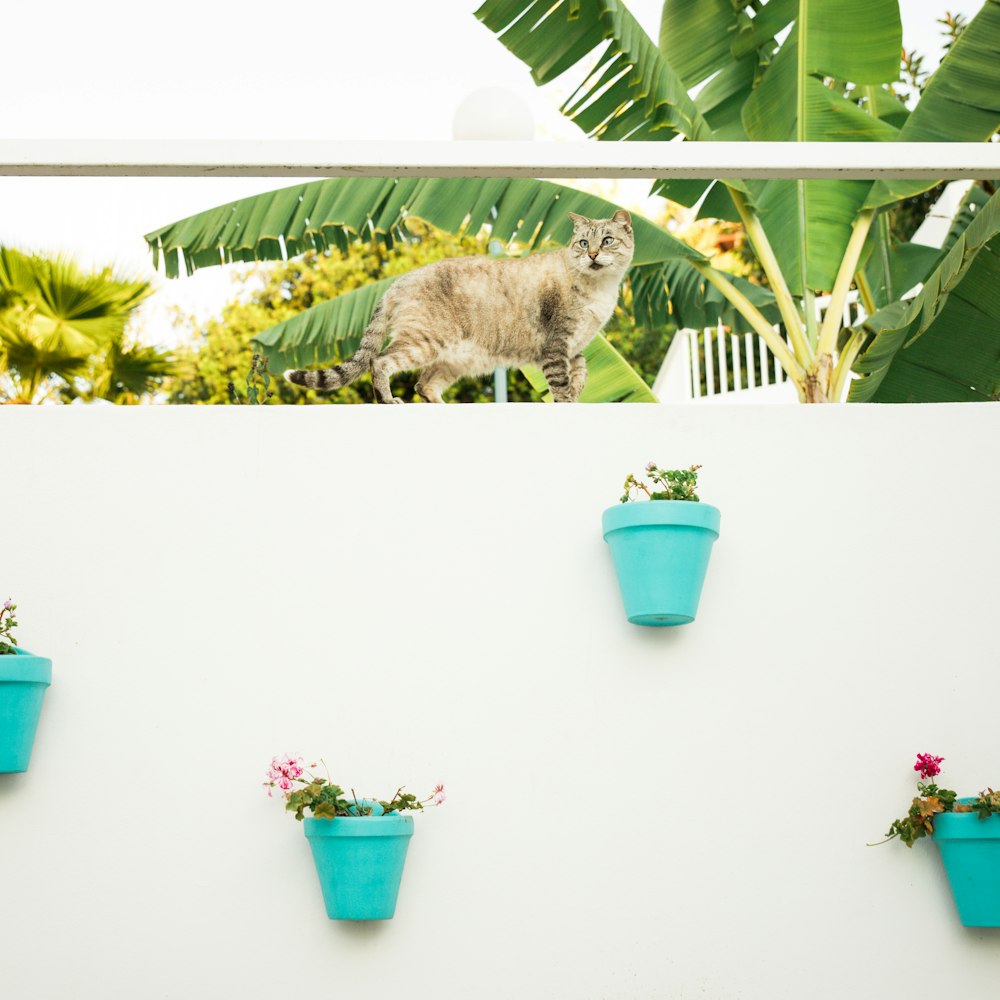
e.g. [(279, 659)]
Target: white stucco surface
[(421, 594)]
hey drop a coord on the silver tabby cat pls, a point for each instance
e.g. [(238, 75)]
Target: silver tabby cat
[(469, 315)]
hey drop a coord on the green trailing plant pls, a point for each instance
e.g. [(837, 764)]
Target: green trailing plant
[(7, 621), (674, 484), (323, 799), (258, 383), (933, 800)]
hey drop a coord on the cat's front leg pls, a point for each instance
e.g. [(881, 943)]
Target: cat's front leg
[(556, 369), (577, 376)]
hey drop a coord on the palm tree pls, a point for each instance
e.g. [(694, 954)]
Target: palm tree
[(62, 332)]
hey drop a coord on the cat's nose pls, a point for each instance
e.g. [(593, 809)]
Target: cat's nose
[(593, 254)]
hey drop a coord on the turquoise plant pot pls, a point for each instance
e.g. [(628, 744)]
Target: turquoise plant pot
[(359, 860), (660, 549), (970, 850), (23, 680)]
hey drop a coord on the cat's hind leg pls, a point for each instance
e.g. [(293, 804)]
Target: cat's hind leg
[(381, 370), (434, 379), (399, 356)]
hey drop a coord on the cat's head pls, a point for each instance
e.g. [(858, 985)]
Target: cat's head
[(600, 244)]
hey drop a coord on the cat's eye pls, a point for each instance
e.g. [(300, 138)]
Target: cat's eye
[(584, 244), (607, 241)]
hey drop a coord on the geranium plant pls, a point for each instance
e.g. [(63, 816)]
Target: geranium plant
[(304, 792), (7, 622), (674, 484), (932, 800)]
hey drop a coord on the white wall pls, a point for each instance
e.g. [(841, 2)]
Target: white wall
[(422, 593)]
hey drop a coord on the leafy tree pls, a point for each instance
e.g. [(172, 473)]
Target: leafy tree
[(219, 351), (62, 333)]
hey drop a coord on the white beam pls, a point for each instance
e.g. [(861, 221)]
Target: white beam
[(584, 159)]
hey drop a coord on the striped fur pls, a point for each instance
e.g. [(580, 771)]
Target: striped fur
[(328, 379), (469, 315)]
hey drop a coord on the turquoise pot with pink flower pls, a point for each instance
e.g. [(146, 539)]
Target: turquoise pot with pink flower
[(359, 860), (23, 680), (359, 845)]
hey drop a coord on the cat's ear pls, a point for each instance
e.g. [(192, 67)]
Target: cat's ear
[(622, 218), (579, 220)]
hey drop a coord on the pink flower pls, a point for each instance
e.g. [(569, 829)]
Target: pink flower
[(927, 765), (282, 773), (287, 767), (290, 767), (8, 604), (650, 466), (438, 797)]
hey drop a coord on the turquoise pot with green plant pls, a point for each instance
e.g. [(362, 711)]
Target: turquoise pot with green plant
[(358, 845), (661, 547), (967, 833), (23, 680)]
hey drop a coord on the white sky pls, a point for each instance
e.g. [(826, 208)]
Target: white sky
[(383, 69)]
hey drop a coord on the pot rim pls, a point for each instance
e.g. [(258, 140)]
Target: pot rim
[(643, 513), (24, 667), (966, 825), (390, 825)]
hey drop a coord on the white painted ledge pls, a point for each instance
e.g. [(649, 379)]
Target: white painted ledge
[(585, 159)]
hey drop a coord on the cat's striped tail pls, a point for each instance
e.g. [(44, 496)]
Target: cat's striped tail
[(328, 379)]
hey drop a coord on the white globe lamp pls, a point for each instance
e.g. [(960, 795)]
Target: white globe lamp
[(493, 113)]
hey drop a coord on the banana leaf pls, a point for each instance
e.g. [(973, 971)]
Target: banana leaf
[(713, 22), (634, 91), (610, 378), (336, 212), (944, 344), (324, 333), (961, 102), (894, 268), (809, 222), (975, 198), (674, 292)]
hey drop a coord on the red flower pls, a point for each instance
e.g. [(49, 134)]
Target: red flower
[(927, 765)]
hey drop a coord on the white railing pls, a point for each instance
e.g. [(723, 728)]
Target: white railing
[(480, 158), (718, 365)]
